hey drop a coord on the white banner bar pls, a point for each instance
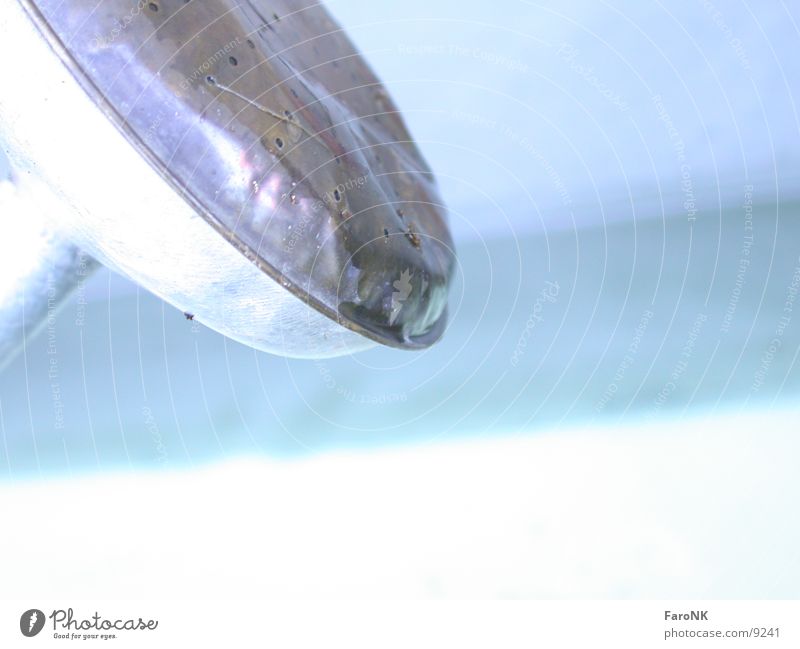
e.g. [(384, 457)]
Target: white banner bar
[(401, 624)]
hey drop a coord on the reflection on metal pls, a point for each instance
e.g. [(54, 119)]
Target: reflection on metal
[(318, 212), (40, 267)]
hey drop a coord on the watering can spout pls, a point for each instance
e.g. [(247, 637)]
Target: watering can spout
[(238, 159)]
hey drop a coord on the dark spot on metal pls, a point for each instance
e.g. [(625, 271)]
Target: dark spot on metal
[(152, 6), (413, 237), (233, 61), (189, 316)]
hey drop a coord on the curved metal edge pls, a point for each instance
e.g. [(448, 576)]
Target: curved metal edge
[(375, 333), (40, 270)]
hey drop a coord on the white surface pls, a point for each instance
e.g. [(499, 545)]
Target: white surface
[(704, 508)]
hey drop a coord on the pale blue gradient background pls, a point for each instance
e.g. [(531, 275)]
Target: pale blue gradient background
[(499, 439)]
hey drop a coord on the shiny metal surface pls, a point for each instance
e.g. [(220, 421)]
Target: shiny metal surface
[(267, 121), (39, 269), (105, 198)]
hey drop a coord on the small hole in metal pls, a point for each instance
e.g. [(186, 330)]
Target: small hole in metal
[(279, 142), (232, 60)]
